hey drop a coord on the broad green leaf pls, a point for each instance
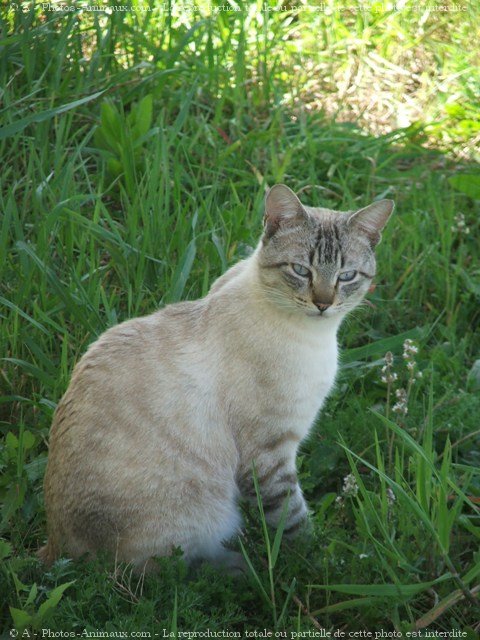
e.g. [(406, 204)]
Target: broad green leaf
[(467, 183), (5, 549), (100, 141), (380, 347), (115, 167), (19, 585), (13, 499), (143, 116), (28, 440), (53, 599), (32, 595), (21, 619), (111, 125), (456, 110), (11, 440)]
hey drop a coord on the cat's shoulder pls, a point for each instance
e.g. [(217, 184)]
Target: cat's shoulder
[(229, 276), (132, 334)]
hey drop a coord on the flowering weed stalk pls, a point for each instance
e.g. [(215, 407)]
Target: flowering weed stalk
[(388, 377), (402, 394)]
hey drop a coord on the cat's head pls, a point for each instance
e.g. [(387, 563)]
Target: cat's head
[(315, 261)]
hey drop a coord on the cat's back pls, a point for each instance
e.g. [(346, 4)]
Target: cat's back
[(144, 340), (132, 368)]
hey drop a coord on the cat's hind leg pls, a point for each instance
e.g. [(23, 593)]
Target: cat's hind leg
[(198, 522), (209, 543), (228, 561)]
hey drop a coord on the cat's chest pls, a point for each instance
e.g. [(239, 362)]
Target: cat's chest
[(303, 373), (289, 380)]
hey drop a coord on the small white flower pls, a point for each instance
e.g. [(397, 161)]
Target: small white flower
[(400, 408), (350, 487), (389, 377), (411, 365), (460, 225), (363, 555), (409, 349), (390, 496)]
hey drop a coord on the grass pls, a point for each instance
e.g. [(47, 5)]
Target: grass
[(136, 147)]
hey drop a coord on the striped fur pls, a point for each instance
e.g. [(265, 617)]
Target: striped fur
[(153, 444)]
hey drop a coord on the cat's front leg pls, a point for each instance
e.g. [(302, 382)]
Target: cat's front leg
[(277, 482)]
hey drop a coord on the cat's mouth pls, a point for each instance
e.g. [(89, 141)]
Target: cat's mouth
[(321, 314)]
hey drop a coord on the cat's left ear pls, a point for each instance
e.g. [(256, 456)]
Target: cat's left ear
[(371, 220)]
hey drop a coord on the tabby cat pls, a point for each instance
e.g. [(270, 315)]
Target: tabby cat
[(152, 445)]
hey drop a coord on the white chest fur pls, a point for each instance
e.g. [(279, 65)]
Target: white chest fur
[(275, 369), (301, 370)]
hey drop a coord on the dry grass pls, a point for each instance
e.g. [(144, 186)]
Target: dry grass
[(390, 71)]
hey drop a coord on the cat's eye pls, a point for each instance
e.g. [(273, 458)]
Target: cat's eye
[(300, 270), (347, 276)]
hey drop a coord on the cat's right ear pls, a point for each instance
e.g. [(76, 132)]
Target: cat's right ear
[(282, 207), (370, 220)]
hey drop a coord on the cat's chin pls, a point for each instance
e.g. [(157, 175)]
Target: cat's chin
[(326, 315)]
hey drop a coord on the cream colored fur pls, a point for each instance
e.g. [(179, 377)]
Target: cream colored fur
[(153, 443)]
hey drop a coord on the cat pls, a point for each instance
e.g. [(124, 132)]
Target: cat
[(153, 443)]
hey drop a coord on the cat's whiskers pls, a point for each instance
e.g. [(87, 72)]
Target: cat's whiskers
[(273, 294)]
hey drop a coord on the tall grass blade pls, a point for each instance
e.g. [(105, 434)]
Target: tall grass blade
[(383, 590), (19, 125)]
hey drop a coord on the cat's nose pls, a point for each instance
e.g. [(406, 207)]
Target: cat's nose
[(322, 306)]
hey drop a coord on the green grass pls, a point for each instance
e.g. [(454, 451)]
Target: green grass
[(135, 149)]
